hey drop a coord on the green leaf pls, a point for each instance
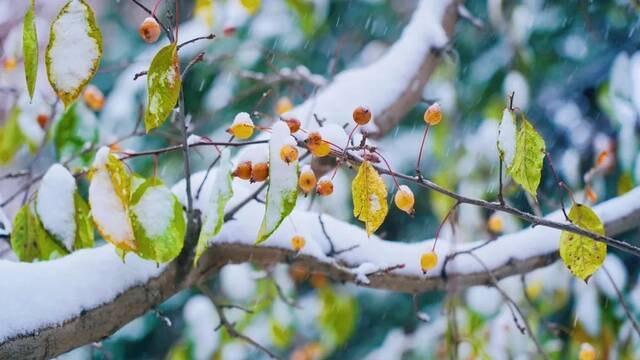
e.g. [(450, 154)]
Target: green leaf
[(23, 237), (163, 86), (30, 241), (526, 168), (120, 179), (281, 335), (251, 5), (74, 51), (30, 48), (369, 194), (337, 317), (77, 127), (84, 224), (220, 194), (304, 11), (283, 183), (11, 137), (583, 255), (158, 221)]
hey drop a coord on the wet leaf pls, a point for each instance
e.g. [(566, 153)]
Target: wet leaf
[(30, 48), (221, 193), (583, 255), (526, 168), (251, 5), (163, 86), (369, 194), (74, 51)]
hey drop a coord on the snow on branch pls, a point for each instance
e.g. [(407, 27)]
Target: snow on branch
[(398, 77), (53, 306)]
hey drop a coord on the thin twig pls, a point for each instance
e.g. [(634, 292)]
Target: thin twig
[(230, 327), (623, 302)]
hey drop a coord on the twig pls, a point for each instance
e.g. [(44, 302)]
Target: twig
[(206, 37), (230, 327), (507, 298), (623, 302)]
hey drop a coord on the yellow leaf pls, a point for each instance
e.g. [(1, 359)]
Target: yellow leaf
[(581, 254), (369, 197), (203, 9), (251, 5)]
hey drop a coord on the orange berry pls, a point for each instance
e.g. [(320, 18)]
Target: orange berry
[(602, 158), (433, 115), (325, 186), (42, 119), (587, 352), (93, 98), (297, 243), (404, 199), (149, 30), (243, 170), (428, 261), (259, 172), (115, 147), (317, 146), (242, 126), (293, 124), (298, 272), (361, 115), (307, 180), (495, 224), (288, 153), (9, 63), (283, 105), (318, 280)]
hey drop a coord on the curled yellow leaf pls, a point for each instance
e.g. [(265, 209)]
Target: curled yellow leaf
[(369, 197)]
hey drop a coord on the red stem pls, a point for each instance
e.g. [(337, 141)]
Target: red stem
[(155, 8), (424, 138)]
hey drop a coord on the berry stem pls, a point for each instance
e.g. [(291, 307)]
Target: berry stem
[(395, 180), (435, 241), (424, 138), (155, 8)]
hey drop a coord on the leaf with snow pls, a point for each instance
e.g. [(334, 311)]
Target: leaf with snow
[(369, 194), (158, 221), (583, 255), (30, 48), (526, 168), (251, 5), (74, 50), (11, 137), (163, 86), (30, 241), (507, 137), (214, 214), (55, 205), (109, 200), (283, 183)]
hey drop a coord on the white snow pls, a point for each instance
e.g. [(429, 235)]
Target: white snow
[(155, 210), (394, 71), (193, 139), (48, 293), (283, 177), (237, 282), (202, 319), (55, 204), (107, 210), (507, 136), (242, 118), (334, 134), (73, 51)]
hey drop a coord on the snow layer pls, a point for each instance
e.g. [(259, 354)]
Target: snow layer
[(155, 210), (202, 320), (107, 210), (55, 204), (507, 137), (73, 52), (48, 293), (352, 88)]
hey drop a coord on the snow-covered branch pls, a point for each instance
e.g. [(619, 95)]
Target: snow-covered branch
[(75, 308)]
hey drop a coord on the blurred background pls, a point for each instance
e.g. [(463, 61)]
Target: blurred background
[(575, 72)]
